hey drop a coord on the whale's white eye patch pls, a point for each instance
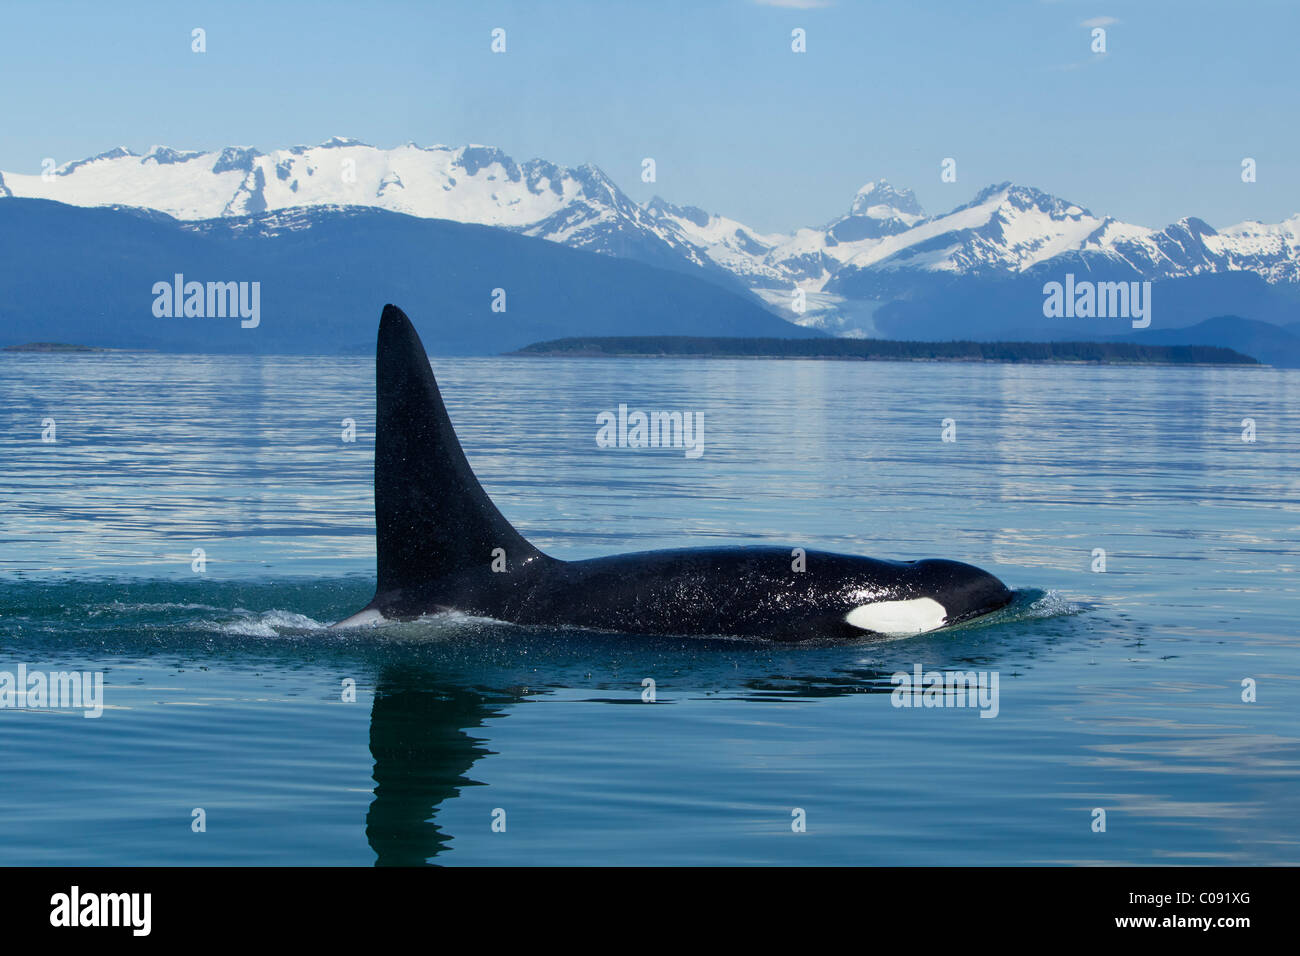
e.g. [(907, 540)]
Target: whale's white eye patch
[(899, 617)]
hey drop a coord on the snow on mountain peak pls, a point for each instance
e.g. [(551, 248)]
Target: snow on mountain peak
[(335, 141), (1013, 197), (117, 152), (165, 155), (662, 208), (236, 158), (880, 200)]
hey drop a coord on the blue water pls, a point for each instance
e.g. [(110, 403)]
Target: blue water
[(224, 691)]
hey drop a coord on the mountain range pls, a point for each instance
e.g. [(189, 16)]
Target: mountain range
[(884, 268), (316, 278)]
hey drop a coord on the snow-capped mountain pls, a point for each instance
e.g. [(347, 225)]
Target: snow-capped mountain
[(579, 207), (886, 247), (1009, 229), (731, 245), (883, 247), (878, 210), (809, 257), (470, 183)]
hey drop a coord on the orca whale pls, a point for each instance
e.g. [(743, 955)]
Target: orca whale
[(442, 545)]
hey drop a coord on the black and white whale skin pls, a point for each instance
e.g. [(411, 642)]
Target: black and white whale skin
[(438, 535)]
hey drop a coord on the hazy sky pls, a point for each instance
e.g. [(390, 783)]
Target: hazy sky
[(1153, 130)]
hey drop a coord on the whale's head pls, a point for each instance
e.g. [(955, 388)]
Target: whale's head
[(928, 595)]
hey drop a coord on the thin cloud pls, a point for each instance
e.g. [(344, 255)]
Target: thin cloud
[(1099, 22)]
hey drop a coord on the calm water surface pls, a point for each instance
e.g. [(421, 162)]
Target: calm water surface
[(1119, 691)]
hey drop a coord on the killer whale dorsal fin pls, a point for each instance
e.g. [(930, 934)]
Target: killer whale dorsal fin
[(432, 517)]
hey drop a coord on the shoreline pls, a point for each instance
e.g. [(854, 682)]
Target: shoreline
[(883, 358), (888, 350)]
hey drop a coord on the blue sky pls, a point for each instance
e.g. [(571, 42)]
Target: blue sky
[(1153, 130)]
